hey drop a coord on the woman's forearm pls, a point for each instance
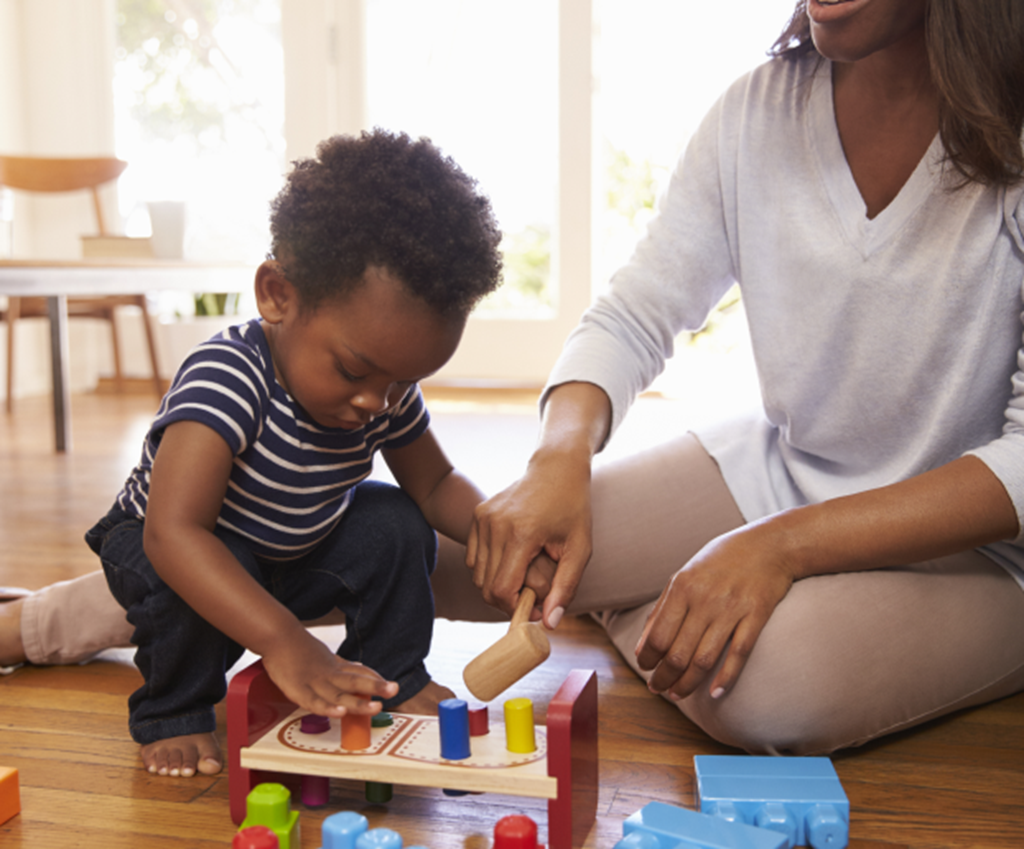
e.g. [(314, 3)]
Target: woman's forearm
[(576, 422), (956, 507)]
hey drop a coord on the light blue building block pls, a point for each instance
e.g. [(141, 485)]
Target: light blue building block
[(800, 798), (661, 826), (341, 830), (379, 838), (349, 830)]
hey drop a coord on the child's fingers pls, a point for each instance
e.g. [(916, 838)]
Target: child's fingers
[(343, 704), (354, 688), (356, 678)]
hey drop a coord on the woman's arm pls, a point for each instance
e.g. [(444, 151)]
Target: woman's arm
[(547, 511), (718, 603), (188, 484)]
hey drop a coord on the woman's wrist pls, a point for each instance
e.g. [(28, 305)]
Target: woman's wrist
[(789, 536), (576, 422)]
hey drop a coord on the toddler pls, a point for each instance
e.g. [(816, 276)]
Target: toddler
[(248, 511)]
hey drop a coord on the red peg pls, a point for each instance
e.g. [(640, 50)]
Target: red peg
[(478, 721)]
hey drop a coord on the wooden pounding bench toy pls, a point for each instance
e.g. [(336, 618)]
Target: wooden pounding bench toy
[(266, 743)]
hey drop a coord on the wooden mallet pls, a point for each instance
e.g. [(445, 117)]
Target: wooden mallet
[(522, 649)]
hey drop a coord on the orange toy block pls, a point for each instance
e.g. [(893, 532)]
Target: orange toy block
[(10, 798)]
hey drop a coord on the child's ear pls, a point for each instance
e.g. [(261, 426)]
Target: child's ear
[(275, 296)]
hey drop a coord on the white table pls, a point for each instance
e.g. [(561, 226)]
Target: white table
[(57, 279)]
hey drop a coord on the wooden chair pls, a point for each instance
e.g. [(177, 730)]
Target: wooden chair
[(39, 174)]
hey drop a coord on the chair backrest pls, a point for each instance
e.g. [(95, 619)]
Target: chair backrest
[(49, 174)]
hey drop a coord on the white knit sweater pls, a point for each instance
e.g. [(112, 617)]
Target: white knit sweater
[(884, 347)]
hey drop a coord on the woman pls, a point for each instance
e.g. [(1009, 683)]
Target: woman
[(849, 563)]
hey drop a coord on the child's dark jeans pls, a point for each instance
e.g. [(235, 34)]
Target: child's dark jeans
[(375, 566)]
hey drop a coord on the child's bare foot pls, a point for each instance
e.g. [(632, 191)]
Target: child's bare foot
[(183, 756), (12, 651), (425, 702)]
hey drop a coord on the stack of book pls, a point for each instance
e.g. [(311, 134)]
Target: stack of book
[(126, 247)]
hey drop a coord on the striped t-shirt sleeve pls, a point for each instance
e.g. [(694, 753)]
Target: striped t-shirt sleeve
[(221, 385)]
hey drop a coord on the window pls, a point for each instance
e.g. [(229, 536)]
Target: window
[(659, 66), (570, 113), (480, 80), (199, 111)]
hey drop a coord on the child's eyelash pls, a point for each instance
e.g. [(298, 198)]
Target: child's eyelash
[(348, 375)]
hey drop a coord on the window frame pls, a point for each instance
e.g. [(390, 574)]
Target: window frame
[(325, 93)]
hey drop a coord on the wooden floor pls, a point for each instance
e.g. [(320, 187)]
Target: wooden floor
[(956, 782)]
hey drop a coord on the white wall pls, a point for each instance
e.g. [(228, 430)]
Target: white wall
[(56, 99), (67, 100)]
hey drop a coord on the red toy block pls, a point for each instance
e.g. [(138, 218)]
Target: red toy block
[(515, 832), (10, 798), (255, 837)]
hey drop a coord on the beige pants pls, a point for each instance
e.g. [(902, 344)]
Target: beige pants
[(843, 660)]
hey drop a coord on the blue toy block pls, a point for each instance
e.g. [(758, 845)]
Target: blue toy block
[(800, 798), (661, 826), (638, 840), (349, 830), (340, 831), (379, 838)]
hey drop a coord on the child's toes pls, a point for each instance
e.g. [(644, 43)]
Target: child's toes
[(208, 760), (154, 758), (183, 756)]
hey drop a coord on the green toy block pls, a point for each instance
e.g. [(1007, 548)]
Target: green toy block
[(270, 805)]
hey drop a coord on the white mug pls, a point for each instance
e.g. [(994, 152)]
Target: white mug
[(167, 218)]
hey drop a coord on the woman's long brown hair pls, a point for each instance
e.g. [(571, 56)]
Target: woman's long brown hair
[(976, 51)]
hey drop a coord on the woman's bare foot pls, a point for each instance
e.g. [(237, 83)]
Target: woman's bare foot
[(12, 651), (425, 702), (183, 756)]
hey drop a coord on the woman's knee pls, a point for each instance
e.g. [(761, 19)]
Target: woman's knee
[(795, 695), (767, 719)]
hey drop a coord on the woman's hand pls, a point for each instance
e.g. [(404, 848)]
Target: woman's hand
[(546, 515), (314, 678), (715, 606)]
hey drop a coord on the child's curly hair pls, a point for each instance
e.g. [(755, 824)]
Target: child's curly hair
[(383, 199)]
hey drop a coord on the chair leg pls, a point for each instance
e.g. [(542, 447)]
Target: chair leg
[(13, 313), (151, 343), (118, 376)]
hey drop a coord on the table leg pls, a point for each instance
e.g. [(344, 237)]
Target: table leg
[(57, 306)]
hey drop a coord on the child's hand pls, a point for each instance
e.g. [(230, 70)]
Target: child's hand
[(317, 680), (713, 610)]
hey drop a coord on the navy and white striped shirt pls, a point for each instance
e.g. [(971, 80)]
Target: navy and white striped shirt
[(292, 479)]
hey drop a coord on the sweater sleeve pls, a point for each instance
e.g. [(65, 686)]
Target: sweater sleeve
[(677, 274), (1005, 455)]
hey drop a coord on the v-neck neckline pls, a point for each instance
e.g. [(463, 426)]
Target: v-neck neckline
[(866, 234)]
